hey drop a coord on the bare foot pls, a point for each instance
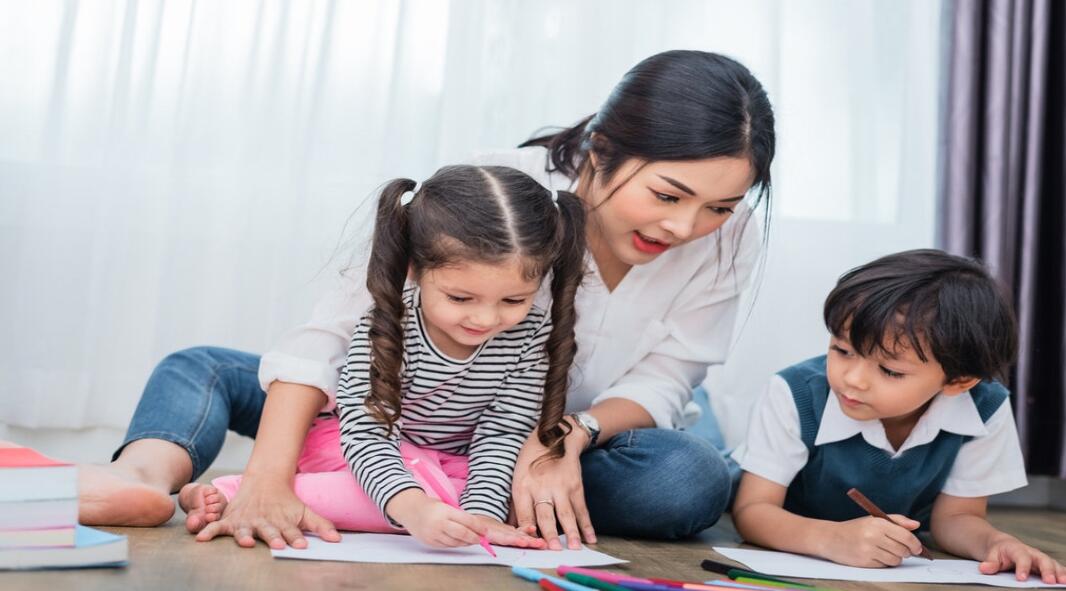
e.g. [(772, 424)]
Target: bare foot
[(202, 504), (107, 495)]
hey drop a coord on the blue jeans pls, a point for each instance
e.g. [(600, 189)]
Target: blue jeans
[(653, 483)]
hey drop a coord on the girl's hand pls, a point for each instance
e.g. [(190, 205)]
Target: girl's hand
[(268, 510), (1008, 552), (873, 542), (557, 481), (434, 523), (502, 534)]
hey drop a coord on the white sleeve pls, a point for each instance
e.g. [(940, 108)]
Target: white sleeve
[(774, 447), (313, 354), (699, 329), (989, 464)]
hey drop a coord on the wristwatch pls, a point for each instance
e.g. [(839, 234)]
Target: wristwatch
[(590, 425)]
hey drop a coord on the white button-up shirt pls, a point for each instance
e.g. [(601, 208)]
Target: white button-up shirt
[(651, 340), (989, 463)]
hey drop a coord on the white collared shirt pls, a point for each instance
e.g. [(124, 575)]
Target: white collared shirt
[(989, 463), (650, 340)]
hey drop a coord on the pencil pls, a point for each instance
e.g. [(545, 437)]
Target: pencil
[(869, 506)]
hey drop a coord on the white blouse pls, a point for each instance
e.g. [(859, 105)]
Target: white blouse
[(651, 340)]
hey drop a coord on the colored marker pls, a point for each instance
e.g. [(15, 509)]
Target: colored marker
[(730, 583), (706, 586), (444, 495), (736, 573), (599, 574), (536, 576), (593, 582), (869, 506), (548, 585), (648, 586)]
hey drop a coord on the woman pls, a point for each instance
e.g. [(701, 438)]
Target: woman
[(663, 167)]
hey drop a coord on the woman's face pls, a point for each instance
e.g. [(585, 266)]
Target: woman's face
[(664, 204)]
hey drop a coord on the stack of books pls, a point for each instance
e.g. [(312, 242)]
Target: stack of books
[(39, 517)]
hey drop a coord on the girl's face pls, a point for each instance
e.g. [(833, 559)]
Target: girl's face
[(467, 304), (664, 205)]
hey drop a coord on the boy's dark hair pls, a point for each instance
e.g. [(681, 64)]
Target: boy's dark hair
[(949, 303)]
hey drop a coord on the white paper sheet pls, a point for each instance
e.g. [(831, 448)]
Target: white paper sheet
[(405, 549), (913, 570)]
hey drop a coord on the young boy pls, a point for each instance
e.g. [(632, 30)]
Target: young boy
[(903, 408)]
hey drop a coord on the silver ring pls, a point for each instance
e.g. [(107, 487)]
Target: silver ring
[(548, 501)]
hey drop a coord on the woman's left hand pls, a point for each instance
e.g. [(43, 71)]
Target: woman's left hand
[(550, 490)]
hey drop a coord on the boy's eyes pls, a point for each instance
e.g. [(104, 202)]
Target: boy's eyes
[(890, 373), (838, 349)]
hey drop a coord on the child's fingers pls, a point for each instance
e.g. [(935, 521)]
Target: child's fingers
[(1022, 565), (907, 539), (320, 526), (904, 521), (897, 548), (1046, 566)]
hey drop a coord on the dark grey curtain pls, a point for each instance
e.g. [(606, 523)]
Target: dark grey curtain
[(1002, 191)]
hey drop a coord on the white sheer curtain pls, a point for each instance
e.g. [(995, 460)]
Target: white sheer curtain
[(192, 172)]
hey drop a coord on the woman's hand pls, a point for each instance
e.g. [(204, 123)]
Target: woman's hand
[(551, 490), (268, 509)]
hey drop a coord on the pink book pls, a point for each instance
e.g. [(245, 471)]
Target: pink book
[(26, 475)]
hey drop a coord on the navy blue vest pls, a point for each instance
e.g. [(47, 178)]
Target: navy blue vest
[(907, 485)]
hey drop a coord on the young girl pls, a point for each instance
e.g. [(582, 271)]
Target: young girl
[(453, 365), (905, 409)]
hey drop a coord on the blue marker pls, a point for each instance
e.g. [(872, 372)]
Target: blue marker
[(535, 575)]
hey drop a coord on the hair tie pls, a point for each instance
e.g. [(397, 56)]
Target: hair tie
[(408, 196), (555, 198)]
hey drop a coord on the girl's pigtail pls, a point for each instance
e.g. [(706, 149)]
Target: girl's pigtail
[(386, 274), (568, 270)]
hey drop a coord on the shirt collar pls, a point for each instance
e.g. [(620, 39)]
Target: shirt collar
[(954, 414)]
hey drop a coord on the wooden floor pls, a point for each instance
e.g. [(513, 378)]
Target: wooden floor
[(167, 558)]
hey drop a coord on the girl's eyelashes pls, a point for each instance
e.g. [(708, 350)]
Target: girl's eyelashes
[(463, 299), (457, 299), (514, 302), (720, 210)]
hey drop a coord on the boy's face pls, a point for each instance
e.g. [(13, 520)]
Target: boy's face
[(886, 387)]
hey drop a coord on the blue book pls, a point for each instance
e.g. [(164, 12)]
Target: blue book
[(92, 548)]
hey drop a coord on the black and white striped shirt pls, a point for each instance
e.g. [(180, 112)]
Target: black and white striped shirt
[(484, 406)]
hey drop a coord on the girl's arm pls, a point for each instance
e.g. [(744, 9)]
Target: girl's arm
[(959, 526), (760, 518), (265, 506)]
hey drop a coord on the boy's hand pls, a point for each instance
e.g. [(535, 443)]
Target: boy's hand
[(873, 542), (1008, 552), (502, 534)]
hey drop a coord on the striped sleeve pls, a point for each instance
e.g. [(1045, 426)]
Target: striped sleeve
[(371, 451), (504, 426)]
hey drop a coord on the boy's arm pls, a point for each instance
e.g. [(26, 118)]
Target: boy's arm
[(760, 518), (959, 526)]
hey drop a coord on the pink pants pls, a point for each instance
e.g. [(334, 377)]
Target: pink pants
[(326, 484)]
